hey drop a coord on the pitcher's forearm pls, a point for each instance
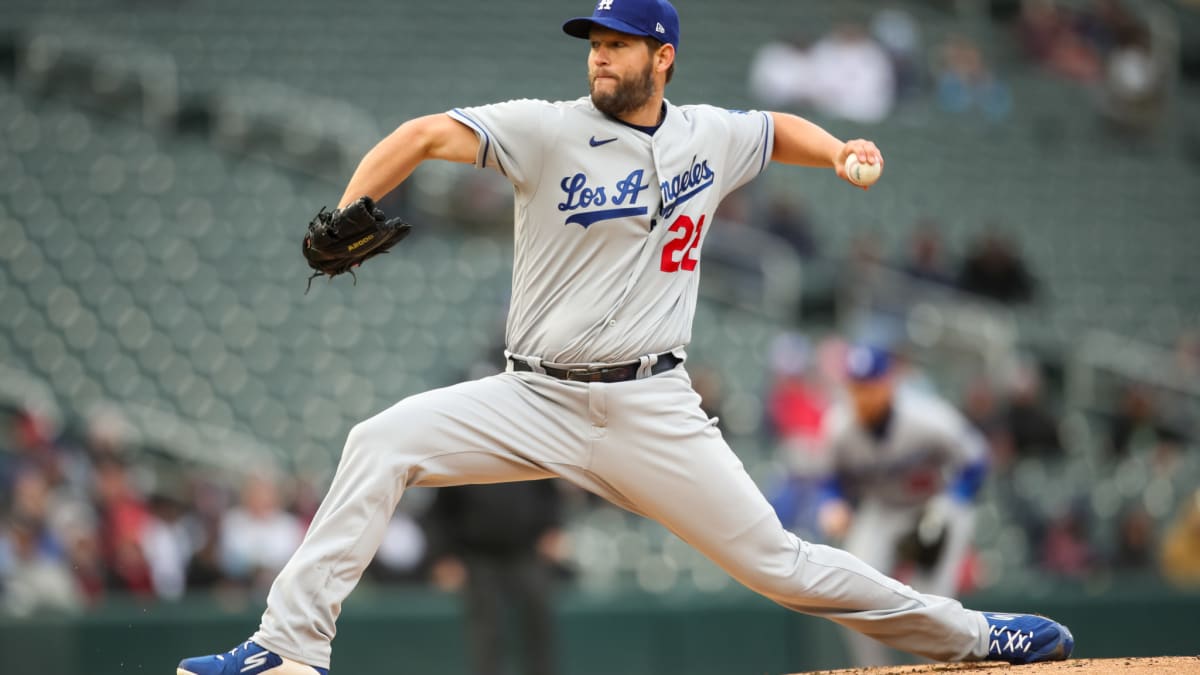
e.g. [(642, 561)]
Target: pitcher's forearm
[(393, 159), (387, 165)]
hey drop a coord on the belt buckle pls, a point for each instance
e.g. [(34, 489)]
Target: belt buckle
[(579, 374)]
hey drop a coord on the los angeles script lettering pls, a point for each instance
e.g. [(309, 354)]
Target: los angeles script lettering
[(580, 195)]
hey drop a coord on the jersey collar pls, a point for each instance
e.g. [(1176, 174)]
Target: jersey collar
[(649, 131)]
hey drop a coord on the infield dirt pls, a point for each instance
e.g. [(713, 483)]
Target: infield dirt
[(1164, 665)]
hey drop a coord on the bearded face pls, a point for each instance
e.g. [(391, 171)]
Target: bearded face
[(616, 95)]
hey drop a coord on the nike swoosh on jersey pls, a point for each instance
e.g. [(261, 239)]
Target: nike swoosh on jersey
[(595, 143)]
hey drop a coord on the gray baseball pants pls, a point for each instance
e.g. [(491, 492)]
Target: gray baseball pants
[(644, 445), (873, 536)]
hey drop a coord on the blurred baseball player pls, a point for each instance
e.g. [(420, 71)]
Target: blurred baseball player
[(614, 194), (910, 464)]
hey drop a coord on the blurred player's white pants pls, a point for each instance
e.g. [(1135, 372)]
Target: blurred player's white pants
[(873, 537), (644, 445)]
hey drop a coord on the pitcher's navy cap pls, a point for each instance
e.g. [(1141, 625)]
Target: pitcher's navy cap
[(867, 363), (652, 18)]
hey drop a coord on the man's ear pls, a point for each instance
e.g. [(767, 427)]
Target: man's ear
[(664, 57)]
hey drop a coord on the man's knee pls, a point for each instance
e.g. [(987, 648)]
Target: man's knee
[(777, 571), (392, 435), (366, 433)]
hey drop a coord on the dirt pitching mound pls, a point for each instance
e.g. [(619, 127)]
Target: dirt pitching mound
[(1159, 665)]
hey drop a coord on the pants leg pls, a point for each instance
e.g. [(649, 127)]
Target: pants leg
[(533, 589), (872, 539), (485, 595), (665, 456), (508, 427)]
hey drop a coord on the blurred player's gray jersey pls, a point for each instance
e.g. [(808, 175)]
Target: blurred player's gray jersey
[(925, 444), (605, 267)]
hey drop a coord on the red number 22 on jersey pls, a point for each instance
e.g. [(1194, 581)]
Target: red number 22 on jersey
[(680, 252)]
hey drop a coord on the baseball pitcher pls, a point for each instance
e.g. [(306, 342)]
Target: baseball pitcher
[(614, 195)]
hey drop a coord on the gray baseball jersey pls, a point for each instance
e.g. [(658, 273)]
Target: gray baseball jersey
[(609, 221), (927, 441)]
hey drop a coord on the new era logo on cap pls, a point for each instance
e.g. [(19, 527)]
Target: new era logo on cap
[(651, 18)]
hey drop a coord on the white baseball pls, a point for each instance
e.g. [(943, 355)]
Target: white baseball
[(862, 174)]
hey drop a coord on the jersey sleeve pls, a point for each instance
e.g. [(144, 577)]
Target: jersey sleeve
[(835, 430), (751, 140), (513, 136), (962, 443)]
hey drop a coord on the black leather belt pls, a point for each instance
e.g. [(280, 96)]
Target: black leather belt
[(622, 373)]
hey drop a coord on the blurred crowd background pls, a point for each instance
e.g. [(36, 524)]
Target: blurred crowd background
[(174, 403)]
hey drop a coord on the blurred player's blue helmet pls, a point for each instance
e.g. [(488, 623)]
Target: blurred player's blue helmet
[(652, 18), (864, 362)]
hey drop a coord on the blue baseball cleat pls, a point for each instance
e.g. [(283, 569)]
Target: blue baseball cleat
[(245, 659), (1026, 638)]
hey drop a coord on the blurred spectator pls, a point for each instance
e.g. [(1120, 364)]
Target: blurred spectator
[(707, 383), (900, 36), (994, 269), (402, 554), (501, 543), (797, 401), (204, 570), (33, 578), (1048, 35), (1106, 24), (796, 406), (1135, 418), (123, 522), (966, 84), (1003, 11), (1066, 549), (31, 505), (168, 543), (865, 265), (845, 74), (779, 73), (792, 223), (208, 504), (1139, 423), (852, 76), (32, 439), (981, 407), (925, 261), (258, 537), (306, 498), (1135, 84), (1032, 430), (1181, 545), (1135, 541), (86, 559)]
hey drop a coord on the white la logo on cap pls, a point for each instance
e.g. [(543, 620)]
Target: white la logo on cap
[(859, 359), (659, 27), (604, 4)]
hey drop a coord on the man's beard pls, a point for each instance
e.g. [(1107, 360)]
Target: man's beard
[(629, 95)]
